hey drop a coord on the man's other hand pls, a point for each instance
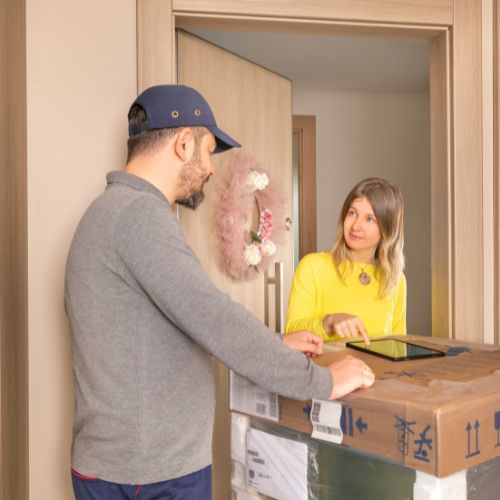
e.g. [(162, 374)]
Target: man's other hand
[(304, 341)]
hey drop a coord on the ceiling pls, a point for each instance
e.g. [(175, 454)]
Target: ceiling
[(333, 62)]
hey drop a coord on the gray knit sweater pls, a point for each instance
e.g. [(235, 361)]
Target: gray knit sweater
[(144, 318)]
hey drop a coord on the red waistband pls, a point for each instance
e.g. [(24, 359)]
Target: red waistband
[(82, 476), (92, 478)]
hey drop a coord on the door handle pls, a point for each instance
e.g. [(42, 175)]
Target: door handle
[(277, 281)]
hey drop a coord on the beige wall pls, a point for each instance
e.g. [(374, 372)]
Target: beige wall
[(363, 134), (81, 77)]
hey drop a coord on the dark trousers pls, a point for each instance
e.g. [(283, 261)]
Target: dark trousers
[(194, 486)]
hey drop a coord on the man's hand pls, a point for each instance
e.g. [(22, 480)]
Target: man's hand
[(348, 375), (304, 341), (345, 325)]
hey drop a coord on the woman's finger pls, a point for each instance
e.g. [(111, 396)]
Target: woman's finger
[(353, 328), (363, 332), (339, 329)]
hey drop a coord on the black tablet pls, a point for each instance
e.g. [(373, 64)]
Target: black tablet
[(395, 350)]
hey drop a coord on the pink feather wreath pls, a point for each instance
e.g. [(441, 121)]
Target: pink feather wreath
[(242, 251)]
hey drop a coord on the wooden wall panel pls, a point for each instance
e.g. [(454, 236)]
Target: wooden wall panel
[(390, 11), (468, 278), (13, 254)]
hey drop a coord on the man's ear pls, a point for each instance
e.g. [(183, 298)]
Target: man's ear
[(184, 144)]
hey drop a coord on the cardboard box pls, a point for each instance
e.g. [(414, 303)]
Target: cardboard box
[(439, 415)]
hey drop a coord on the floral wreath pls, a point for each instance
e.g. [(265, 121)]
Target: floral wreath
[(242, 251)]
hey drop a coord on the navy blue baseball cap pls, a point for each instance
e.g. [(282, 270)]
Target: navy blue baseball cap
[(168, 106)]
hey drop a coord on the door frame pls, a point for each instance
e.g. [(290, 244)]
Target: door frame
[(304, 128), (453, 29)]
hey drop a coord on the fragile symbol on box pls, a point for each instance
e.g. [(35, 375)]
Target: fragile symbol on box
[(423, 443)]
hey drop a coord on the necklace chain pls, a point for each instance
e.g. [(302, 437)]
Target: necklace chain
[(364, 278)]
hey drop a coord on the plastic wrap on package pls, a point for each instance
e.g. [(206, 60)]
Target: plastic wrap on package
[(483, 481), (239, 427), (243, 494), (334, 471), (281, 463), (439, 417)]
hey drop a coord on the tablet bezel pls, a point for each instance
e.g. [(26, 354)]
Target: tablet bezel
[(433, 353)]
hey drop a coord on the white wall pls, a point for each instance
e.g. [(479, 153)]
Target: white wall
[(363, 134), (81, 78)]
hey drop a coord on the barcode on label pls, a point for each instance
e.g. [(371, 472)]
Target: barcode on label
[(260, 408), (316, 408), (273, 405), (327, 430)]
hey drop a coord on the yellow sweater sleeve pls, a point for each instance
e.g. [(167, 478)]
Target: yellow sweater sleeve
[(302, 302)]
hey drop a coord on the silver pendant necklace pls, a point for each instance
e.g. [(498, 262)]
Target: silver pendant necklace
[(364, 278)]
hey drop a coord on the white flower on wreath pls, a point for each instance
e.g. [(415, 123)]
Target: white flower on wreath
[(252, 255), (257, 180), (268, 248)]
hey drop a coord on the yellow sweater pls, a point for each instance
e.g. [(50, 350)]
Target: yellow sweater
[(318, 291)]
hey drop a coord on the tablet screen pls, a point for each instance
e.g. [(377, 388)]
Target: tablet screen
[(395, 350)]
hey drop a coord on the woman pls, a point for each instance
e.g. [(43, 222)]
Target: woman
[(358, 288)]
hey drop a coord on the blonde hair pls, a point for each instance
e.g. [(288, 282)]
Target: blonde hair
[(388, 206)]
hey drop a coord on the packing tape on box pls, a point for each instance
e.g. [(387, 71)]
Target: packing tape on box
[(242, 494), (239, 427), (238, 474)]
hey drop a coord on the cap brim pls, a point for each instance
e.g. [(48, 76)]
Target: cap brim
[(222, 140)]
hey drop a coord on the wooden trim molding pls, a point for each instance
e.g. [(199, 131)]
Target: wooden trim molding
[(441, 210), (193, 20), (305, 128), (430, 12), (468, 265), (496, 176), (155, 43), (13, 254)]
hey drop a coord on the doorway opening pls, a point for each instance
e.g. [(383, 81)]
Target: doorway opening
[(370, 100)]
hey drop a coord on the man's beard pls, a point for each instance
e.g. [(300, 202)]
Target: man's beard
[(193, 201)]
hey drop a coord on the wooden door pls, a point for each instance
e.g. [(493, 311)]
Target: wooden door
[(253, 105)]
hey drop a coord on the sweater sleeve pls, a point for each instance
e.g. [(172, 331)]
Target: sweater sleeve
[(152, 245), (399, 321), (302, 301)]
